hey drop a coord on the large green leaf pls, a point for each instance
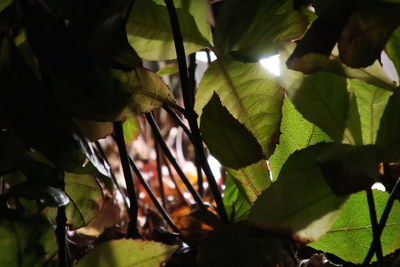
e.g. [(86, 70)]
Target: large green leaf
[(251, 180), (300, 203), (25, 240), (128, 252), (321, 102), (262, 25), (367, 31), (296, 133), (249, 93), (226, 138), (393, 49), (351, 234), (86, 199), (149, 30), (236, 204), (239, 245), (371, 102)]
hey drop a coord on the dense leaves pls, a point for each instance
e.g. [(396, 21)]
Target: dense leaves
[(351, 234)]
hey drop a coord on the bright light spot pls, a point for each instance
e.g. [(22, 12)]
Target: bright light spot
[(142, 195), (202, 56), (215, 166), (379, 186), (272, 64)]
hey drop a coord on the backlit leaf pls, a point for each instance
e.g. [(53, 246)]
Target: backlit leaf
[(128, 252), (393, 49), (227, 139), (371, 102), (149, 30), (291, 205), (351, 234), (86, 199), (249, 93), (131, 129), (236, 204), (296, 133), (251, 180)]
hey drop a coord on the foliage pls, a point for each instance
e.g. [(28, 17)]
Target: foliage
[(299, 152)]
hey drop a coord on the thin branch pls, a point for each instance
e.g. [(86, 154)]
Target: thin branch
[(156, 203), (168, 154), (178, 120), (191, 116), (133, 231), (113, 178), (374, 223), (382, 222), (61, 234), (160, 176), (172, 177)]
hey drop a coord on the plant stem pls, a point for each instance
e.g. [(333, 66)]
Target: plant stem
[(374, 223), (382, 222), (168, 154), (178, 120), (130, 186), (160, 176), (188, 96), (113, 178), (61, 234), (146, 186)]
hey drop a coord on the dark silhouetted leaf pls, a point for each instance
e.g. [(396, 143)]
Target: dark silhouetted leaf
[(367, 31), (239, 245), (228, 140), (25, 240), (11, 151), (249, 93), (349, 169), (300, 203), (128, 252), (351, 235), (296, 133)]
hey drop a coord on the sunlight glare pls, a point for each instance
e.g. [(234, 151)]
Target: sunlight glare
[(202, 56), (272, 64)]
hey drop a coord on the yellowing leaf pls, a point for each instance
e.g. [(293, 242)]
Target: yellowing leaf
[(128, 252)]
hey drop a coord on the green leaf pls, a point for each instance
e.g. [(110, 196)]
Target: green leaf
[(131, 129), (227, 139), (149, 30), (323, 103), (86, 199), (168, 69), (4, 4), (371, 102), (291, 205), (261, 27), (351, 234), (249, 93), (251, 180), (25, 240), (296, 133), (388, 140), (127, 252), (367, 31), (239, 245), (236, 205), (348, 168), (393, 49)]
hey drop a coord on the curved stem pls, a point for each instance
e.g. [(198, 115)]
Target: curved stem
[(374, 223), (188, 96), (133, 231)]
